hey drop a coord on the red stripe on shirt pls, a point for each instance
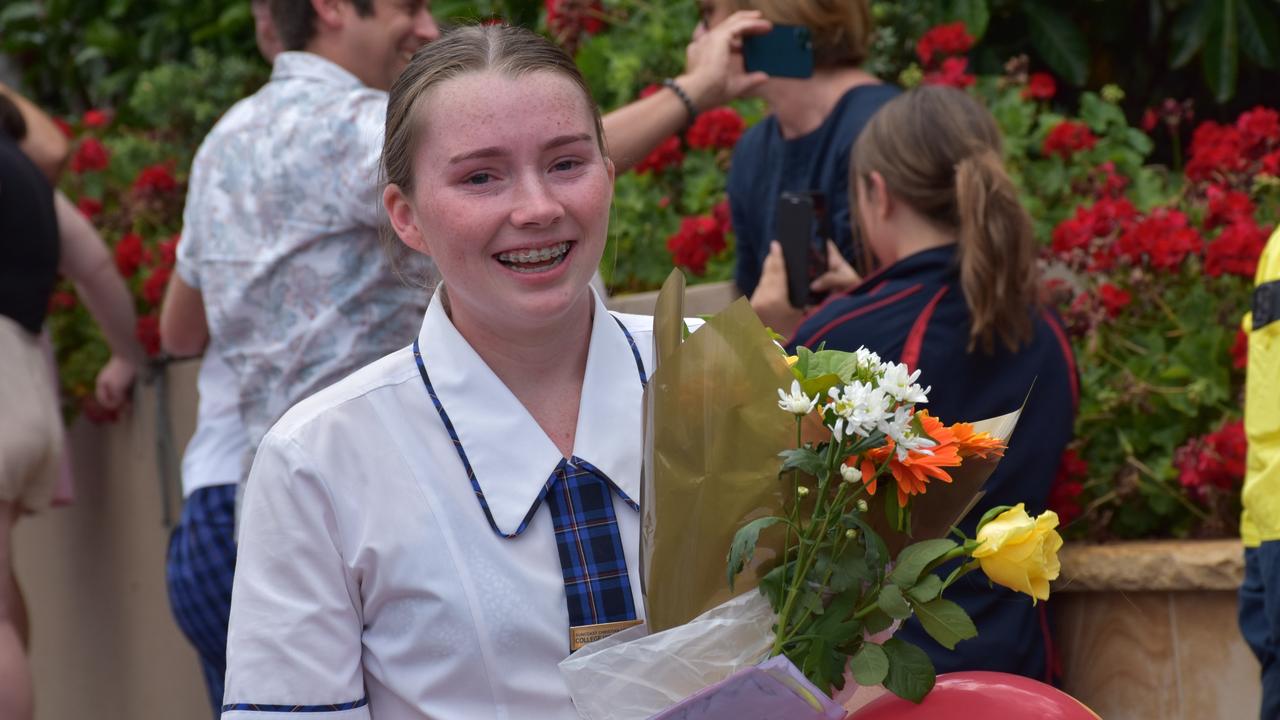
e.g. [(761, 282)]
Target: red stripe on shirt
[(915, 338), (1067, 355), (901, 294)]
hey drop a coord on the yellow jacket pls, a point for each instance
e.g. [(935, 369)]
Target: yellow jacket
[(1261, 518)]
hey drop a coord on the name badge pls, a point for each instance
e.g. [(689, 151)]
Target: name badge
[(583, 634)]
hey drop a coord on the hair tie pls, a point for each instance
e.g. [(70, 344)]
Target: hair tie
[(684, 98)]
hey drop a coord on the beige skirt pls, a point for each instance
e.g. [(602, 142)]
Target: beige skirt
[(30, 425)]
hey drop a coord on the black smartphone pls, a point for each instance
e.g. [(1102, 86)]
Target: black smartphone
[(799, 223), (784, 51)]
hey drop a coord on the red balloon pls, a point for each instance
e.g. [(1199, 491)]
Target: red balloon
[(986, 695)]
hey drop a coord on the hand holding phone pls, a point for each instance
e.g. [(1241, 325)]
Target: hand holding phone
[(784, 51), (798, 222)]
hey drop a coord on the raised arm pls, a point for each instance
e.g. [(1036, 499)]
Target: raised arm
[(713, 76), (44, 142), (86, 260)]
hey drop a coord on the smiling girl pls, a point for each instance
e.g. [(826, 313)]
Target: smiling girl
[(430, 536)]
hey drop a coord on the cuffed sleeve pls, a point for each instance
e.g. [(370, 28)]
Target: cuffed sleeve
[(296, 620)]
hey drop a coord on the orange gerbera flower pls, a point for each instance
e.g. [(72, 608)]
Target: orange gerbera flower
[(974, 444), (912, 475)]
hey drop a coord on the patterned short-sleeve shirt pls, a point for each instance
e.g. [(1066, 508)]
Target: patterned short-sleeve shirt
[(281, 235)]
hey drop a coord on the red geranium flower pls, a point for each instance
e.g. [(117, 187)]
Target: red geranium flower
[(169, 250), (722, 216), (1162, 238), (650, 89), (571, 17), (1113, 299), (1259, 127), (89, 207), (1215, 150), (61, 300), (1040, 86), (1240, 350), (1236, 250), (90, 155), (667, 154), (1271, 164), (698, 239), (1104, 219), (148, 333), (1067, 138), (95, 413), (952, 74), (718, 128), (1068, 486), (153, 287), (1226, 206), (129, 254), (1216, 460), (64, 126), (1150, 118), (155, 179), (95, 118), (942, 40)]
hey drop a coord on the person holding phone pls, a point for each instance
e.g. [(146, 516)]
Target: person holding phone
[(819, 99), (957, 299)]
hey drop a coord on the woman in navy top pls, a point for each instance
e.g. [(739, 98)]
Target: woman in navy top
[(803, 145), (957, 299)]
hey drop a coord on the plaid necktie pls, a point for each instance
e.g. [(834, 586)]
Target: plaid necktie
[(580, 499), (596, 585)]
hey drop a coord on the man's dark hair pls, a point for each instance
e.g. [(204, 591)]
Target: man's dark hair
[(11, 120), (295, 20)]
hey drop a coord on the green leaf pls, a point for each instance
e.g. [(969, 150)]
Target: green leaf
[(927, 589), (1221, 60), (744, 544), (911, 674), (1259, 33), (1189, 32), (893, 603), (973, 13), (774, 586), (870, 665), (916, 557), (1058, 41), (810, 601), (945, 622), (850, 569), (803, 459), (876, 622)]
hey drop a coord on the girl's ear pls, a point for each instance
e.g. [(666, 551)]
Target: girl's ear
[(403, 221), (878, 196)]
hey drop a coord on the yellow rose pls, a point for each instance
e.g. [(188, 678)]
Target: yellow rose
[(1021, 552)]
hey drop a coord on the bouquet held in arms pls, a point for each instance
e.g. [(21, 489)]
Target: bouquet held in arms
[(833, 496), (850, 569)]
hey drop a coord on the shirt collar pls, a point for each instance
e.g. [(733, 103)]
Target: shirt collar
[(511, 456), (310, 66)]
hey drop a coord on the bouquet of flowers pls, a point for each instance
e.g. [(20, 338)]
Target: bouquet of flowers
[(841, 532)]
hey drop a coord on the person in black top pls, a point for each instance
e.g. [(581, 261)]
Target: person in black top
[(803, 144), (957, 299), (33, 250)]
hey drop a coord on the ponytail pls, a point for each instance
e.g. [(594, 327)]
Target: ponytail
[(996, 254), (939, 151)]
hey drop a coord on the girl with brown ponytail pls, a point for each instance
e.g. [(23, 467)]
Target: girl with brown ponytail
[(956, 298)]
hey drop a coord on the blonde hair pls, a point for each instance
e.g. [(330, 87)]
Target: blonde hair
[(939, 151), (841, 29)]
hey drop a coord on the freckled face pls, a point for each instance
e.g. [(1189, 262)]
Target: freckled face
[(511, 197)]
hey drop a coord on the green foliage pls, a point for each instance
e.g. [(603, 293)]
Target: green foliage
[(77, 54)]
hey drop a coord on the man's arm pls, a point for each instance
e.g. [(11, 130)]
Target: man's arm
[(184, 330), (44, 143), (713, 76)]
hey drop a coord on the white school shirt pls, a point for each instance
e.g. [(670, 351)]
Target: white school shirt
[(369, 580)]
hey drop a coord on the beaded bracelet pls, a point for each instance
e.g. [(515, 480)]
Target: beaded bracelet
[(684, 98)]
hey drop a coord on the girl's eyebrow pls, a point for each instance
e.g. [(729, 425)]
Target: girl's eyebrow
[(495, 151)]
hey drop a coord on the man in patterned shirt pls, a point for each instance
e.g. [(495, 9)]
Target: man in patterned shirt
[(280, 271)]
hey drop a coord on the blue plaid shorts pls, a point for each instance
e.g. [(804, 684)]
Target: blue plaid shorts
[(200, 569)]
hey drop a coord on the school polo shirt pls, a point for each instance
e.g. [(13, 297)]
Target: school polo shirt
[(1260, 521), (369, 581), (914, 312)]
